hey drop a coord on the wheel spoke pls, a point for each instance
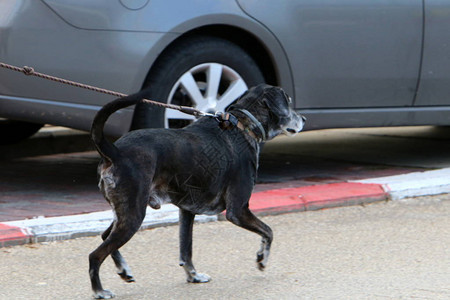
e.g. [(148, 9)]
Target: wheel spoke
[(175, 114), (214, 75), (191, 87), (236, 89)]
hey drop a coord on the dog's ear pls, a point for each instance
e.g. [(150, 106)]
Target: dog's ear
[(277, 101), (274, 98), (245, 101)]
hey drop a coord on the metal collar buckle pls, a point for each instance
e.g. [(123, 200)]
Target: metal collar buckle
[(226, 120)]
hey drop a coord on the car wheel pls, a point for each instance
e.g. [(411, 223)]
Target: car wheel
[(14, 131), (207, 73)]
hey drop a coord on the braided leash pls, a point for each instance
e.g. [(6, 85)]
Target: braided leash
[(29, 71), (226, 120)]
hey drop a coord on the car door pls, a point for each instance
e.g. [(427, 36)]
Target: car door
[(347, 53), (434, 88)]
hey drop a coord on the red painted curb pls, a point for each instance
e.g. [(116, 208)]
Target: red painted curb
[(268, 202), (316, 197), (11, 235)]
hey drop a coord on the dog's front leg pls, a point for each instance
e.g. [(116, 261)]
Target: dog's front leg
[(186, 227), (243, 217)]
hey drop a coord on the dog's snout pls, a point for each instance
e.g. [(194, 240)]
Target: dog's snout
[(295, 124)]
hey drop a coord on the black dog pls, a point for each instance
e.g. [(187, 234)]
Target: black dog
[(204, 168)]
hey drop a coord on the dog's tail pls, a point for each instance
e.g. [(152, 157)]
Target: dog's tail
[(107, 149)]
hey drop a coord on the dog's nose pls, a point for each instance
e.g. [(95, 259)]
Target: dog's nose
[(291, 131)]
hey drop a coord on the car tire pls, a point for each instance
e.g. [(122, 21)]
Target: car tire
[(15, 131), (204, 72)]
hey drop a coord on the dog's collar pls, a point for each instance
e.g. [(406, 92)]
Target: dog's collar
[(227, 120), (255, 121)]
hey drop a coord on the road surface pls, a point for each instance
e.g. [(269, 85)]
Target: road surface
[(392, 250)]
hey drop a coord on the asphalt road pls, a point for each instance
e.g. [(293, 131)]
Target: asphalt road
[(393, 250)]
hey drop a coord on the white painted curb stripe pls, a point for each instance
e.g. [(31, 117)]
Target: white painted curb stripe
[(66, 227), (414, 184)]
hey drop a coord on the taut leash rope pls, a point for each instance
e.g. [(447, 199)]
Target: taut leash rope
[(29, 71), (226, 120)]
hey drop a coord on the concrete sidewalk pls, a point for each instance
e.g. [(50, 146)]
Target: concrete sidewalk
[(274, 201)]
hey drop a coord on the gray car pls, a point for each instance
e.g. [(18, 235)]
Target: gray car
[(347, 63)]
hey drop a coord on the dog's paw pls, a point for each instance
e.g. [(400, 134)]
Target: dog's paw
[(261, 261), (126, 277), (104, 294), (261, 266), (198, 278)]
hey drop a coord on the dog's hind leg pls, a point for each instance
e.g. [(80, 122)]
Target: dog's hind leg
[(121, 232), (123, 270), (243, 217), (186, 228)]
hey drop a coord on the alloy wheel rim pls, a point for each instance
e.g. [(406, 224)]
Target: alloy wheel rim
[(208, 87)]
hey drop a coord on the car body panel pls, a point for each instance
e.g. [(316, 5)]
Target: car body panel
[(346, 63), (155, 16), (434, 88), (349, 53), (376, 117), (102, 59), (158, 16)]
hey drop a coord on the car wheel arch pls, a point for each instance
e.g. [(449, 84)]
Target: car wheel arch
[(195, 57), (268, 48)]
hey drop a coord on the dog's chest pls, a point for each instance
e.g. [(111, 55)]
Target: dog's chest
[(199, 189)]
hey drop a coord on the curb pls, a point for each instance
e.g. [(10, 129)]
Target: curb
[(414, 184), (68, 227), (261, 203)]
